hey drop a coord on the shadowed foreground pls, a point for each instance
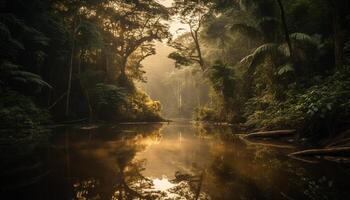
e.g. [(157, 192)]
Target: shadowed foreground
[(176, 161)]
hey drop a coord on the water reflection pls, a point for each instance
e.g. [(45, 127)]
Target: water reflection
[(178, 161), (122, 170)]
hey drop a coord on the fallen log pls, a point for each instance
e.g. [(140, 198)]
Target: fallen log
[(271, 134), (334, 152), (338, 159), (274, 144), (307, 160), (89, 127), (342, 142)]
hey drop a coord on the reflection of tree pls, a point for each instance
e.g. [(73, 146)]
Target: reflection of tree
[(189, 186), (231, 178), (246, 171), (131, 182), (125, 181), (230, 165)]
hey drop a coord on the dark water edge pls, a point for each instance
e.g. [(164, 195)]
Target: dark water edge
[(164, 161)]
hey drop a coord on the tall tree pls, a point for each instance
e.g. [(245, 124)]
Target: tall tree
[(134, 26), (285, 26), (193, 14)]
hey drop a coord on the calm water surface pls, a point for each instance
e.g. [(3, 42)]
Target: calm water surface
[(176, 161)]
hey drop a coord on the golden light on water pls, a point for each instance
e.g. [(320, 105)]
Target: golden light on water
[(162, 184), (166, 3)]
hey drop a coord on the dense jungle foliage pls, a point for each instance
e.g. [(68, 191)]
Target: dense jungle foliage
[(271, 64), (77, 59), (71, 71), (268, 64)]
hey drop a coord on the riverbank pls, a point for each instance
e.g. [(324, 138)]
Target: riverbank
[(333, 149)]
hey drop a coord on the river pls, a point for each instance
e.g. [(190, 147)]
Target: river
[(178, 160)]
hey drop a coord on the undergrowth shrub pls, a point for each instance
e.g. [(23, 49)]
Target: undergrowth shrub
[(317, 111)]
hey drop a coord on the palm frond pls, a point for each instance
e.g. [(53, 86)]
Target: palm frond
[(260, 53), (16, 44), (9, 47), (8, 66), (29, 77), (18, 26), (247, 59), (266, 49), (20, 79)]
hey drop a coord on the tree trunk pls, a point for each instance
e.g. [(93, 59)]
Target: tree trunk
[(271, 134), (86, 93), (285, 27), (334, 151), (107, 68), (122, 79), (83, 88), (71, 67), (338, 33), (198, 49), (179, 99), (106, 64)]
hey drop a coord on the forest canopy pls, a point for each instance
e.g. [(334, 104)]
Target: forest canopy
[(79, 59), (257, 64), (204, 99)]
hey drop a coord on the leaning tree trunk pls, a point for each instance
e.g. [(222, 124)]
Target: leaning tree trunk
[(285, 27), (198, 49)]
